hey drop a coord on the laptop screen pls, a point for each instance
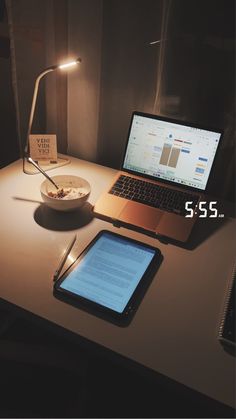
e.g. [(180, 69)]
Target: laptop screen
[(171, 151)]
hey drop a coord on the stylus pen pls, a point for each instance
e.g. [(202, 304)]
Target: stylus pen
[(64, 257)]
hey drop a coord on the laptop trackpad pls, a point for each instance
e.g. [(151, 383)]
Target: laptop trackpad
[(141, 215)]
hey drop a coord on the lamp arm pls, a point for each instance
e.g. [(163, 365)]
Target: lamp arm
[(35, 94)]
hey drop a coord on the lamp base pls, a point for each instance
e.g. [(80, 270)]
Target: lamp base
[(29, 169)]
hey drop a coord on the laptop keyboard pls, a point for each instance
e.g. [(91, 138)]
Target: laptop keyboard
[(153, 195)]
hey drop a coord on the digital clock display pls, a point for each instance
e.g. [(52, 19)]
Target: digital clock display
[(203, 209)]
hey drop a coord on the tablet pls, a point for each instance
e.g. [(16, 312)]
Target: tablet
[(110, 275)]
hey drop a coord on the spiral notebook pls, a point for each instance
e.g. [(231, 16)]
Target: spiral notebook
[(227, 324)]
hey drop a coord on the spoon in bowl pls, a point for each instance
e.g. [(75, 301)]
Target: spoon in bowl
[(42, 171)]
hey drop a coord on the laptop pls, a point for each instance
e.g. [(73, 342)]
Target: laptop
[(166, 163)]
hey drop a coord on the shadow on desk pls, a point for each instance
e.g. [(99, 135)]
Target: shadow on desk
[(203, 229), (206, 227), (63, 221)]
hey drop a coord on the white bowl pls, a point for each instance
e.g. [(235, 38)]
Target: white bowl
[(67, 203)]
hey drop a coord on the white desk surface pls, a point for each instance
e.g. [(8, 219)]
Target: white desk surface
[(174, 331)]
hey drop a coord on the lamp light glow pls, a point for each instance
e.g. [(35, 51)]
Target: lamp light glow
[(66, 65)]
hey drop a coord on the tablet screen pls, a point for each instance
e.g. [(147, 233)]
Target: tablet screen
[(110, 271)]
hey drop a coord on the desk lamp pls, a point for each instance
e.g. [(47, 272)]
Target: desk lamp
[(62, 67)]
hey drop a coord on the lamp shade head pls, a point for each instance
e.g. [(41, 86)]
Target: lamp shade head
[(69, 64)]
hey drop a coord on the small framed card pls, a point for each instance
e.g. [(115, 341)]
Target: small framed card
[(43, 147)]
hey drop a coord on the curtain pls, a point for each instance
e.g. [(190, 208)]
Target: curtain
[(9, 143), (38, 33), (85, 20)]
